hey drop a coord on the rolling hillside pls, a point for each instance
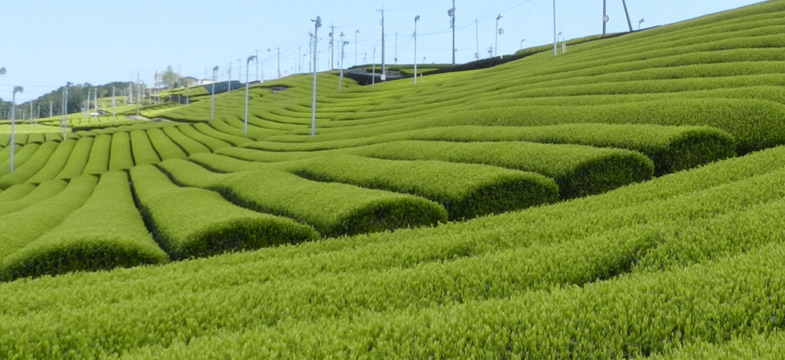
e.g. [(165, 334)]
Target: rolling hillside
[(623, 200)]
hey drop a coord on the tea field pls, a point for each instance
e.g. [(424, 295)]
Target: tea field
[(624, 200)]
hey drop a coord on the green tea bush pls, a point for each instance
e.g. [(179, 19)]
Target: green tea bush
[(77, 160), (105, 233), (120, 157), (465, 190), (30, 167), (55, 163), (333, 209), (579, 170), (190, 222)]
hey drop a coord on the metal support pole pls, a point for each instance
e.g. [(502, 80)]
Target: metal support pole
[(555, 52), (247, 63), (416, 19), (496, 44), (212, 100), (12, 144), (604, 16), (384, 68), (629, 23), (317, 25), (343, 46)]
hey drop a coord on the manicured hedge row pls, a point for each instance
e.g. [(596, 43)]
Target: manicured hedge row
[(21, 228), (188, 144), (333, 209), (465, 190), (218, 286), (164, 146), (671, 148), (40, 193), (56, 162), (77, 160), (213, 133), (16, 192), (30, 167), (144, 153), (190, 222), (579, 170), (98, 162), (105, 233), (212, 143), (23, 153), (121, 157)]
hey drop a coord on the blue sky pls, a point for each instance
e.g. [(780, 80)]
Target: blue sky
[(49, 42)]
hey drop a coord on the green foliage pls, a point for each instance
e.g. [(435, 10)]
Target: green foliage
[(105, 233), (77, 160), (30, 167), (23, 227), (98, 162), (190, 222), (579, 170), (465, 190), (37, 194), (143, 151), (164, 146), (120, 157), (55, 163), (333, 209), (188, 144)]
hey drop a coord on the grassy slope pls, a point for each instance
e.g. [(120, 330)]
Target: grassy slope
[(638, 271)]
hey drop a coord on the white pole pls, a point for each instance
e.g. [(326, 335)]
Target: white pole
[(416, 19), (114, 105), (317, 25), (212, 100), (496, 44), (64, 119), (340, 78), (355, 46), (555, 52), (13, 125), (247, 63), (51, 114), (477, 38), (384, 68), (373, 70)]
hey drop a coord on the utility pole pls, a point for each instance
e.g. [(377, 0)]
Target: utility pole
[(629, 23), (555, 52), (240, 71), (212, 93), (257, 64), (451, 13), (95, 97), (604, 16), (384, 67), (229, 71), (279, 62), (343, 46), (247, 63), (64, 119), (114, 105), (138, 96), (332, 47), (299, 59), (310, 52), (396, 47), (316, 26), (477, 38), (356, 32), (416, 20), (373, 69), (496, 44), (51, 114)]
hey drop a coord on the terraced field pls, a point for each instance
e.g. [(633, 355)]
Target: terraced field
[(622, 201)]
